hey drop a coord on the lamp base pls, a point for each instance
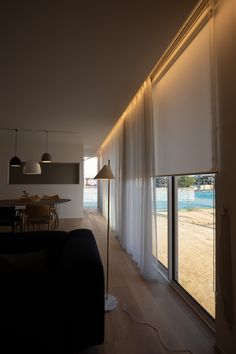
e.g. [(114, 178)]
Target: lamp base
[(110, 302)]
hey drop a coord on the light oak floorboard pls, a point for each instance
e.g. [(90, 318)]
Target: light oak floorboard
[(154, 302)]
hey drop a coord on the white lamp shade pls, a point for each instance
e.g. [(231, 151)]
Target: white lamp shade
[(32, 168), (105, 173)]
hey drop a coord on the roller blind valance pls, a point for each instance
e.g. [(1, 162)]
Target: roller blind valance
[(183, 115)]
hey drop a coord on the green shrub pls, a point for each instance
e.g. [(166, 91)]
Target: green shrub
[(186, 181)]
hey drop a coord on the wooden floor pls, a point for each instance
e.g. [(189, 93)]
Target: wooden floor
[(154, 302)]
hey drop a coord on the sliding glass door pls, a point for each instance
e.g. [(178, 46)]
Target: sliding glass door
[(195, 226), (184, 234)]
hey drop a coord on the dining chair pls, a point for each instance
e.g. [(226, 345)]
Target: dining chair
[(38, 215), (54, 213), (8, 217)]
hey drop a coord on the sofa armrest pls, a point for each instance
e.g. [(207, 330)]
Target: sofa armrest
[(80, 282)]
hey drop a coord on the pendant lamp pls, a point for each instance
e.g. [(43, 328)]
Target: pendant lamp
[(32, 168), (15, 161), (46, 157)]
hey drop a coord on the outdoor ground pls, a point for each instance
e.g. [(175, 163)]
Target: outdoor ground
[(195, 253)]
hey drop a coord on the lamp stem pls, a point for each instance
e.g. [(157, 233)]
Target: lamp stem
[(108, 238)]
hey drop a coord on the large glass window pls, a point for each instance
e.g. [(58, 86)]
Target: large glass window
[(160, 234), (196, 238), (184, 233)]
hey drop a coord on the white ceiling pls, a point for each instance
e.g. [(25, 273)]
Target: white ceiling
[(75, 65)]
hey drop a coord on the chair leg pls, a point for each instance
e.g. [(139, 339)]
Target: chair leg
[(57, 220)]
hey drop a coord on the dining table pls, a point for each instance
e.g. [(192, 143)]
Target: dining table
[(20, 204), (33, 201)]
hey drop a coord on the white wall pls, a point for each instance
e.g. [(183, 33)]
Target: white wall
[(225, 26), (31, 145)]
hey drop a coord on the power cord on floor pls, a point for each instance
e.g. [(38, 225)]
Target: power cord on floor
[(166, 348)]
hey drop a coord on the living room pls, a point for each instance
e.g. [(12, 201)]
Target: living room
[(75, 70)]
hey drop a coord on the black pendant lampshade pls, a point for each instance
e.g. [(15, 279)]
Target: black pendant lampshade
[(46, 157), (15, 161)]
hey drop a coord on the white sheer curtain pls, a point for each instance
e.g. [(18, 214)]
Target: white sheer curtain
[(130, 149), (112, 150)]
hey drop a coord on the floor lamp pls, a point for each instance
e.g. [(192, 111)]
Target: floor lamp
[(106, 174)]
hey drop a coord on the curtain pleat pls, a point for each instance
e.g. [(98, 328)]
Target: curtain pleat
[(130, 148)]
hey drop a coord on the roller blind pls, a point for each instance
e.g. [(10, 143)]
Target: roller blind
[(182, 101)]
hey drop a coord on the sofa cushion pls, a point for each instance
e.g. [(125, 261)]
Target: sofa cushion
[(31, 241), (20, 264), (81, 281)]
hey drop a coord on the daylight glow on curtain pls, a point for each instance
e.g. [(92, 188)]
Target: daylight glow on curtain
[(112, 150), (130, 148)]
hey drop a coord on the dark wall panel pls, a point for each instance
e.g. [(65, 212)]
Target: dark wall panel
[(52, 173)]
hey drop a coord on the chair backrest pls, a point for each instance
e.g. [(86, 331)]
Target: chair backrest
[(7, 213), (37, 211)]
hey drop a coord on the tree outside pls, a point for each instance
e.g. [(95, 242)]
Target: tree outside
[(186, 181)]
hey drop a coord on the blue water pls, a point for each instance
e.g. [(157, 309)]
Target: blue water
[(202, 199)]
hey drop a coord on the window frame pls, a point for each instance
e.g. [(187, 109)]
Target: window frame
[(171, 273)]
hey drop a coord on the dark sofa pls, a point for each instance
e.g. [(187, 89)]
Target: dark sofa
[(51, 292)]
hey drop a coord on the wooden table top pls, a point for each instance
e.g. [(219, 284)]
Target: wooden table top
[(28, 201)]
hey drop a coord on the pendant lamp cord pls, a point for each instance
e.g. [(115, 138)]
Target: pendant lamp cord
[(46, 141), (15, 141)]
